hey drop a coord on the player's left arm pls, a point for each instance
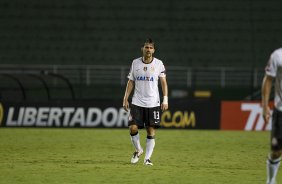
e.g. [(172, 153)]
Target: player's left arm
[(164, 105), (265, 94)]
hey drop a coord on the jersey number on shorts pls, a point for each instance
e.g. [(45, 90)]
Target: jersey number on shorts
[(156, 115)]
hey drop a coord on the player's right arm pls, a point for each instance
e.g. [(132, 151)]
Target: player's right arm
[(266, 90), (128, 90)]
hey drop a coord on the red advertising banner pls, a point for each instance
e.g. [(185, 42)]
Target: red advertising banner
[(242, 115)]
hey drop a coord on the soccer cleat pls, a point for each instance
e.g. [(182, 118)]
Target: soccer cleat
[(135, 157), (148, 162), (272, 182)]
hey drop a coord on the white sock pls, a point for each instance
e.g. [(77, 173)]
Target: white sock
[(136, 142), (272, 169), (150, 144)]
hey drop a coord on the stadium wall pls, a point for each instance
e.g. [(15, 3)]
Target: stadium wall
[(187, 33), (105, 114), (183, 114)]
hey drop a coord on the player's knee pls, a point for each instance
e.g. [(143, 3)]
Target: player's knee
[(276, 154), (151, 134), (133, 129), (150, 131)]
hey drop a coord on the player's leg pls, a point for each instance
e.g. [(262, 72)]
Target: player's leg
[(135, 139), (273, 164), (135, 121), (150, 145), (152, 122), (274, 158)]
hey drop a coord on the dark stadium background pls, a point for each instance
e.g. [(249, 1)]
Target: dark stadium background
[(82, 49), (64, 63)]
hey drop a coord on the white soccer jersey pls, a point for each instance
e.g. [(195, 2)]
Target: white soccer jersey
[(274, 69), (145, 77)]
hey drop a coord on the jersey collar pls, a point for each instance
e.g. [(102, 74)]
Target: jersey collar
[(149, 62)]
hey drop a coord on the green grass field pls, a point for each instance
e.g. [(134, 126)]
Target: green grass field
[(103, 156)]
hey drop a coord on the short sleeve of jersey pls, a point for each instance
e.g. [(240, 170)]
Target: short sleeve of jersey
[(162, 70), (130, 75), (271, 67)]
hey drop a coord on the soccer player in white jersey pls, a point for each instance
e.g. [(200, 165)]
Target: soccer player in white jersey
[(145, 106), (273, 71)]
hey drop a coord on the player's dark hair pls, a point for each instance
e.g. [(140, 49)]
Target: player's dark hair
[(150, 41)]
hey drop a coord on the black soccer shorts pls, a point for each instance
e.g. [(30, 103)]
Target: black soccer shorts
[(144, 117), (276, 130)]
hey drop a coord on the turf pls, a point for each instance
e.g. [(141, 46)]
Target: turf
[(102, 156)]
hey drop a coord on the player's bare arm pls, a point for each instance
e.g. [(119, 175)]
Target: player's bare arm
[(266, 90), (164, 105), (128, 91)]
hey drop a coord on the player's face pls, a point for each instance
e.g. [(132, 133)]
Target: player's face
[(148, 50)]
